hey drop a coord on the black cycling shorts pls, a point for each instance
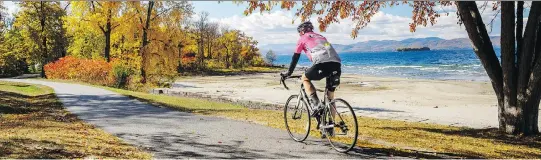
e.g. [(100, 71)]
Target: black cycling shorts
[(330, 70)]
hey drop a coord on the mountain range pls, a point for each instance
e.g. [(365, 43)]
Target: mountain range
[(434, 43)]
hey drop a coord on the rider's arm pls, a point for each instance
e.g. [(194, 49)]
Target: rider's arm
[(297, 54), (293, 63)]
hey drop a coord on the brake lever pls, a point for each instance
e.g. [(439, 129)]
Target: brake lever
[(282, 81)]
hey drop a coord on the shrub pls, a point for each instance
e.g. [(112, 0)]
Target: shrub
[(10, 66), (121, 74), (85, 70)]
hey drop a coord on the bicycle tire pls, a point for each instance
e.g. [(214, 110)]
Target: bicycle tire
[(289, 127), (338, 142)]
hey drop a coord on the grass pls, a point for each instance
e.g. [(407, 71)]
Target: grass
[(410, 139), (392, 136), (234, 71), (34, 124), (26, 89)]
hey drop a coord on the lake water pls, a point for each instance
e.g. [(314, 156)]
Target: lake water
[(436, 64)]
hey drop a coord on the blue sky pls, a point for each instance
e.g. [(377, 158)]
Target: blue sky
[(390, 23), (228, 9)]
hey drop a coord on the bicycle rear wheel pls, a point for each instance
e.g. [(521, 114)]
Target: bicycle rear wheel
[(297, 118), (343, 136)]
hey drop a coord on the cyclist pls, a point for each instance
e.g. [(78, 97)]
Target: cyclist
[(325, 63)]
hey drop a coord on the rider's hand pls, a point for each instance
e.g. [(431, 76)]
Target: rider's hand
[(285, 74)]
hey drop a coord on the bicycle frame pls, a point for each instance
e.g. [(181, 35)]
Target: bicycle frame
[(326, 117), (304, 97)]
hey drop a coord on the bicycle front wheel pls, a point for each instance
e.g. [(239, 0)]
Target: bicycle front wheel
[(297, 118), (343, 136)]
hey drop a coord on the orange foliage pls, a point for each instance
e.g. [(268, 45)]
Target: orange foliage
[(86, 70)]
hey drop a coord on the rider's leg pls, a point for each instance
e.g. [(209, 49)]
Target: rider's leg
[(310, 87), (330, 95), (332, 82), (310, 90)]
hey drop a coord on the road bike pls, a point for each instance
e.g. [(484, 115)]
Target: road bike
[(335, 119)]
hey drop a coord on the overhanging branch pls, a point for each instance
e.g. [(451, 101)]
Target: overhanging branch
[(478, 35)]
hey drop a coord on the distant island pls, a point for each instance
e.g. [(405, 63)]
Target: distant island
[(405, 49), (434, 43)]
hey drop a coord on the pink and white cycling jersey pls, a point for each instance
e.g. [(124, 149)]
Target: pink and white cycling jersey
[(317, 48)]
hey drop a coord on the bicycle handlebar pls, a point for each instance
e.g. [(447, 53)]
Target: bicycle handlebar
[(283, 80)]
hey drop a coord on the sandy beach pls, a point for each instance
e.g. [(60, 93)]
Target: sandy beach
[(458, 103)]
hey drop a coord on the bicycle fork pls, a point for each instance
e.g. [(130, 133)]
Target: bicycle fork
[(296, 114)]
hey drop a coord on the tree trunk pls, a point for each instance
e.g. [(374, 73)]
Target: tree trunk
[(179, 66), (482, 47), (108, 46), (528, 95), (218, 55), (519, 28), (226, 56), (201, 50), (532, 104), (43, 41), (509, 113), (144, 42), (209, 42), (517, 114), (107, 33)]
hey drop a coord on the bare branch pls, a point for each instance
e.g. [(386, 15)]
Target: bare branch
[(484, 7), (97, 2), (66, 7), (101, 28), (491, 24), (93, 7), (139, 13), (115, 26)]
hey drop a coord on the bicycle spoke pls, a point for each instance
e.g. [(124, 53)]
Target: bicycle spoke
[(297, 125), (345, 130)]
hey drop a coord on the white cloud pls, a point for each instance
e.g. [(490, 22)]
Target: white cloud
[(267, 28), (276, 27)]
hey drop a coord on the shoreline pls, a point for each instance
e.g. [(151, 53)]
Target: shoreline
[(301, 69), (448, 102)]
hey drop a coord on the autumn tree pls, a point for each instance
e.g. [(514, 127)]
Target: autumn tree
[(14, 53), (89, 18), (515, 80), (201, 26), (150, 16), (41, 26), (6, 60), (187, 47), (12, 48), (230, 42), (249, 51), (211, 35)]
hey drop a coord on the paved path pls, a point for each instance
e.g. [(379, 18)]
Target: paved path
[(171, 134)]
